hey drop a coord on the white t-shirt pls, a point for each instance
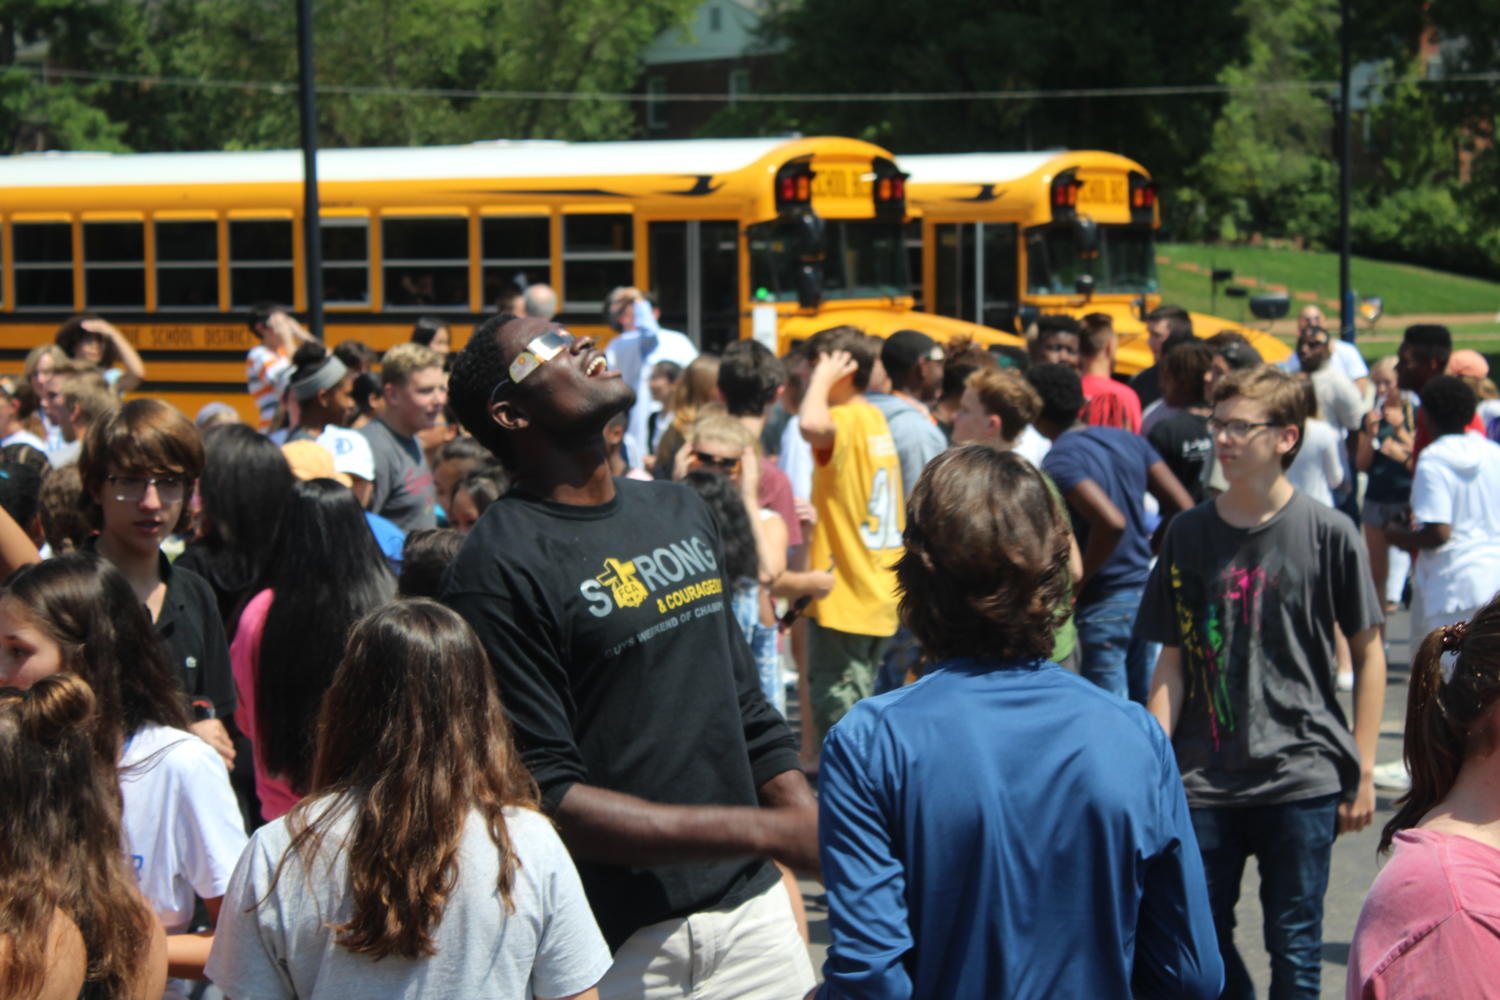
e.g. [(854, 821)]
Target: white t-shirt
[(1346, 358), (548, 946), (181, 822), (24, 437), (1339, 400), (796, 459), (1457, 483), (1032, 445), (1318, 470), (634, 354)]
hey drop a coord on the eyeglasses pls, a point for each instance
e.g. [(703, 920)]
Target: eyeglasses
[(1237, 430), (1314, 342), (542, 349), (717, 461), (132, 489)]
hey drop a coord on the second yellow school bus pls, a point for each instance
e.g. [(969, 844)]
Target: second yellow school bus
[(174, 248), (1007, 236)]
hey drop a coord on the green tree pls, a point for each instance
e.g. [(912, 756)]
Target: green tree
[(1269, 165), (41, 110), (875, 46), (509, 45)]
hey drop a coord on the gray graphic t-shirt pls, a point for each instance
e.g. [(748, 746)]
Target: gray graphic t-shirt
[(1254, 611)]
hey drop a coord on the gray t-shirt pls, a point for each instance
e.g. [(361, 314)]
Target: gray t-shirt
[(1254, 611), (404, 489), (548, 946), (917, 439)]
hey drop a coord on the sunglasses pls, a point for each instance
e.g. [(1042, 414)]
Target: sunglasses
[(542, 349), (717, 461)]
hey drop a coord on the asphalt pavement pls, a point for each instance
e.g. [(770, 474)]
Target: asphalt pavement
[(1354, 859)]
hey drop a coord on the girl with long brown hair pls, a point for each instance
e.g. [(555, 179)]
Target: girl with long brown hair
[(71, 918), (179, 820), (418, 865), (1428, 926)]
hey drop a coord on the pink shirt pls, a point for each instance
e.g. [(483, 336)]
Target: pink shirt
[(1110, 404), (1431, 924), (276, 796)]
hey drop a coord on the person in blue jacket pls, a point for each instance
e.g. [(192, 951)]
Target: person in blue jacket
[(1002, 827)]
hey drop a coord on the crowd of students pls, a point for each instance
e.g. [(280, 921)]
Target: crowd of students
[(1066, 652)]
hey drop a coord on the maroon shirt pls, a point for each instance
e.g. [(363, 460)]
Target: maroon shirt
[(775, 494)]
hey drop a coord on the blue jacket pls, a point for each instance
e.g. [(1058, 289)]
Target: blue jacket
[(1010, 830)]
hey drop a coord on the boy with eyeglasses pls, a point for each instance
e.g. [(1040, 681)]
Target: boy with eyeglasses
[(1246, 598), (138, 466)]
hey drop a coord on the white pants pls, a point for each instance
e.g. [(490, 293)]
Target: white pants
[(752, 952)]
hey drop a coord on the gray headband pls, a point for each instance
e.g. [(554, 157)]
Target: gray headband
[(327, 375)]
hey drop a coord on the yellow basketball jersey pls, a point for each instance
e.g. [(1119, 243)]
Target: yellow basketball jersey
[(857, 492)]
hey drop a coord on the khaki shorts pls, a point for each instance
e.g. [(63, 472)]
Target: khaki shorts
[(752, 952)]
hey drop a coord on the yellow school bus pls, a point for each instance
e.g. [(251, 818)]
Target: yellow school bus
[(1005, 237), (174, 248)]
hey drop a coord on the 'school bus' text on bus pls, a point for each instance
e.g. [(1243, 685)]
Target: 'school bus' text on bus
[(1005, 237), (175, 247)]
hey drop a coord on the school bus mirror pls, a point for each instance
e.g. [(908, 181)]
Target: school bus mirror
[(810, 286), (1237, 292), (1088, 236), (1084, 285), (1221, 274), (1270, 306), (810, 231)]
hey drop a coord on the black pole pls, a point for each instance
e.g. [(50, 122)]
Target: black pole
[(1346, 293), (311, 244)]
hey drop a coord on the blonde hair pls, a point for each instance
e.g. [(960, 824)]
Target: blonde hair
[(1005, 393), (398, 364), (694, 391), (1384, 366), (724, 429)]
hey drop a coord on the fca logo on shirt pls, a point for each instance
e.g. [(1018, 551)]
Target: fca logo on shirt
[(620, 578)]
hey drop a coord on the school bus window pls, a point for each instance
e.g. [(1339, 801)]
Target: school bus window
[(260, 261), (865, 259), (861, 259), (913, 237), (517, 251), (114, 265), (1125, 261), (346, 261), (598, 255), (187, 269), (426, 262), (43, 256)]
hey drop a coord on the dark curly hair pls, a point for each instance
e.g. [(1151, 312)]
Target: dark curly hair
[(475, 371), (1448, 404), (1061, 390), (985, 571)]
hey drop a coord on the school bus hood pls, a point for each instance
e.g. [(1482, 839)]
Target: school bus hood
[(1134, 354), (886, 321)]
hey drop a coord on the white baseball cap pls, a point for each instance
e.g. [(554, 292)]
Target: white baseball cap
[(351, 452)]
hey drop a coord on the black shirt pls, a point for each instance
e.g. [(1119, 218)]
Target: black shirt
[(1185, 445), (1147, 385), (190, 626), (621, 666)]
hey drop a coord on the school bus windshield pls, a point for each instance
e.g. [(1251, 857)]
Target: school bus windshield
[(861, 259), (1056, 257)]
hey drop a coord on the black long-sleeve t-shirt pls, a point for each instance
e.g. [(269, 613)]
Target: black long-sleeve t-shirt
[(620, 666)]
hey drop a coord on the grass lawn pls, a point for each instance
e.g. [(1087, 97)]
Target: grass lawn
[(1384, 339), (1406, 289)]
